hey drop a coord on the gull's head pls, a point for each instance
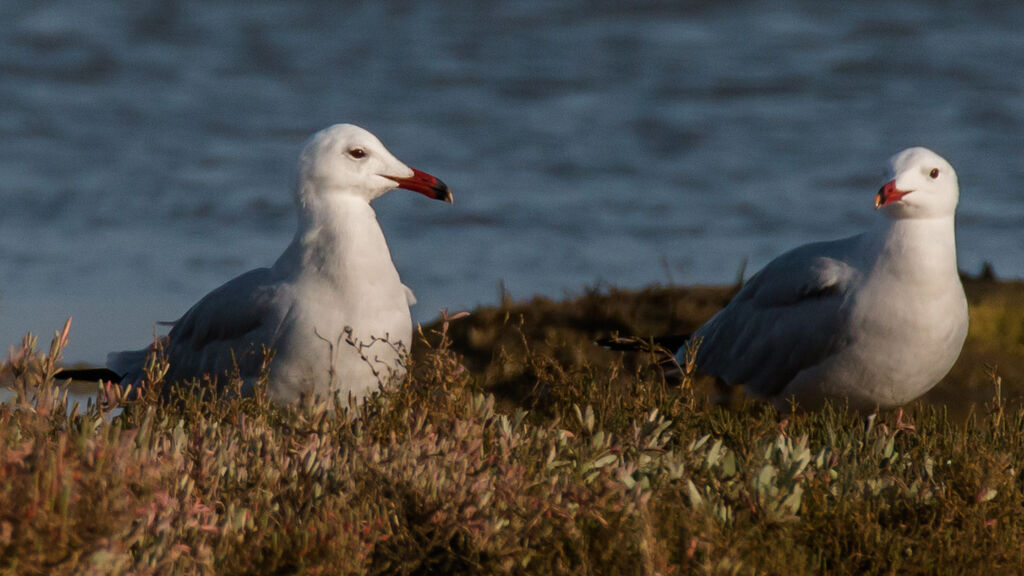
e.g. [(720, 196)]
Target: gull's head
[(923, 185), (347, 160)]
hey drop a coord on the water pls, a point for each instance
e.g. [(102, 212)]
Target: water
[(146, 154)]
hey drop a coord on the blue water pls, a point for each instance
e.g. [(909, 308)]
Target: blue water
[(146, 154)]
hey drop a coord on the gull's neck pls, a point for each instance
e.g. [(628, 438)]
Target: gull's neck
[(338, 240), (917, 249)]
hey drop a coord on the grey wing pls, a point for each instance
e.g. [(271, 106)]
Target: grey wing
[(788, 317), (229, 327)]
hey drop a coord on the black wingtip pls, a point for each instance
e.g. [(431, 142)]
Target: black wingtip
[(89, 375), (672, 341)]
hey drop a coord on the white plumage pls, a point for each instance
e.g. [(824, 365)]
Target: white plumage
[(332, 307), (876, 319)]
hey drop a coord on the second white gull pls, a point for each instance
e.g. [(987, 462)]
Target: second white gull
[(875, 320)]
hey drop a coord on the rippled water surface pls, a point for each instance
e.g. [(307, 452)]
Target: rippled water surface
[(146, 155)]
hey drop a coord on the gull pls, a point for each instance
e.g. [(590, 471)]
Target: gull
[(874, 320), (332, 309)]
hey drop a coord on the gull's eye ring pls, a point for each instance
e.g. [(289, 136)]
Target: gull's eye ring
[(357, 153)]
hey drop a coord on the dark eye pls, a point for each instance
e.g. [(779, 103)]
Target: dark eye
[(934, 173), (358, 153)]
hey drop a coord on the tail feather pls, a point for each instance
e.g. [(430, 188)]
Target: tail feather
[(122, 367), (89, 375)]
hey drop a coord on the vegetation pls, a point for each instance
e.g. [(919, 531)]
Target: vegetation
[(515, 446)]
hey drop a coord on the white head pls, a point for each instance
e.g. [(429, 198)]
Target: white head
[(346, 160), (924, 185)]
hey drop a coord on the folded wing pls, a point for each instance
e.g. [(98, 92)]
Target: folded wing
[(228, 328), (788, 317)]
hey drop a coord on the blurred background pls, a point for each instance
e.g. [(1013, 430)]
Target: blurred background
[(147, 153)]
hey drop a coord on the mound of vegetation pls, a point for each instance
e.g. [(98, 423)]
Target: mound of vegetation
[(515, 446)]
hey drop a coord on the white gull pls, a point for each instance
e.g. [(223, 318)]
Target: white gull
[(876, 319), (332, 308)]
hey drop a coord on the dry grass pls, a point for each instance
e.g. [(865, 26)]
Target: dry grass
[(517, 447)]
